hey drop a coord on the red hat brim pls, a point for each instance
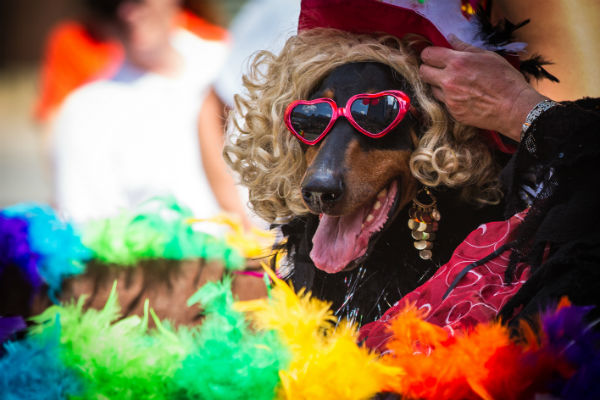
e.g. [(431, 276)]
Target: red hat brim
[(367, 16)]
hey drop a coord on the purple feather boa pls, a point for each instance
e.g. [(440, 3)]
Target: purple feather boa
[(45, 248), (9, 326), (568, 333), (15, 249)]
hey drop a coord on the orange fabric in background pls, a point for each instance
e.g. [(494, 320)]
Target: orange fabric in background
[(200, 27), (72, 58)]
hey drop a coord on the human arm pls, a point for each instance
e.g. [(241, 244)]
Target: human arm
[(479, 87), (559, 237), (211, 139), (562, 237)]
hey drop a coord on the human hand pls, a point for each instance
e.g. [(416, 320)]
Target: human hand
[(479, 87)]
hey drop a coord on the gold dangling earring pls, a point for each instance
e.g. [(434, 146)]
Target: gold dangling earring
[(423, 222)]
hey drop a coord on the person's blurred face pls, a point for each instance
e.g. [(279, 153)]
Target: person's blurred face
[(148, 24)]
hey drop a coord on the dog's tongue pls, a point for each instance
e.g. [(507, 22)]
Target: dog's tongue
[(337, 241)]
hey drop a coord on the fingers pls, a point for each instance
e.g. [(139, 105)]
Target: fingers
[(438, 56), (431, 75), (459, 45), (435, 56), (438, 94)]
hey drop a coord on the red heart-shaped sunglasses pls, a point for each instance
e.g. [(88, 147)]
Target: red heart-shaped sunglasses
[(373, 115)]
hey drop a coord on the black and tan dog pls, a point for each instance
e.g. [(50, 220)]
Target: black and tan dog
[(361, 187), (345, 199)]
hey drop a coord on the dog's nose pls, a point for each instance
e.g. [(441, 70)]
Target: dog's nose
[(322, 190)]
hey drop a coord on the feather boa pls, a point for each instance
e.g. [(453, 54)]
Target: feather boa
[(9, 326), (102, 356), (480, 364), (46, 248), (160, 228), (326, 361), (228, 360), (295, 349), (33, 369)]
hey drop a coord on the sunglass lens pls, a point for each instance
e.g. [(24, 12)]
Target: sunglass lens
[(375, 114), (310, 120)]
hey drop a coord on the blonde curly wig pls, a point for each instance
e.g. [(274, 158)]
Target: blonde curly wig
[(270, 160)]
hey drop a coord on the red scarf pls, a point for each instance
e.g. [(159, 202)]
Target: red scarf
[(479, 295)]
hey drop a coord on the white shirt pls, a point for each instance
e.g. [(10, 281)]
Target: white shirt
[(120, 141)]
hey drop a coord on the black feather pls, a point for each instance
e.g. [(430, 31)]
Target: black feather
[(498, 34), (534, 67), (501, 34)]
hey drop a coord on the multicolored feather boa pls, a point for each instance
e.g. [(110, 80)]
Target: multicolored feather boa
[(47, 249), (290, 346)]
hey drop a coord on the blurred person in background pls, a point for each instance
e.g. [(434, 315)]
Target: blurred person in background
[(85, 49), (152, 127)]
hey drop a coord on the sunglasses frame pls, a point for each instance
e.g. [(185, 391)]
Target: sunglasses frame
[(401, 97)]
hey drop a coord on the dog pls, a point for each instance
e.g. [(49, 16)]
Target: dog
[(345, 195)]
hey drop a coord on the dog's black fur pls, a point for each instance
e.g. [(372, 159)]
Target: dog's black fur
[(392, 266)]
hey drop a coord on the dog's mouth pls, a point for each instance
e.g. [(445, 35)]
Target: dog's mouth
[(342, 240)]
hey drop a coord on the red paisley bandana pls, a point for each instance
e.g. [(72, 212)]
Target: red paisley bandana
[(478, 297)]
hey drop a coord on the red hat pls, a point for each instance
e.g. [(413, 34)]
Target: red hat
[(435, 20)]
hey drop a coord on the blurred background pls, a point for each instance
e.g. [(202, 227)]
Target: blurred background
[(50, 48), (25, 25), (565, 32)]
